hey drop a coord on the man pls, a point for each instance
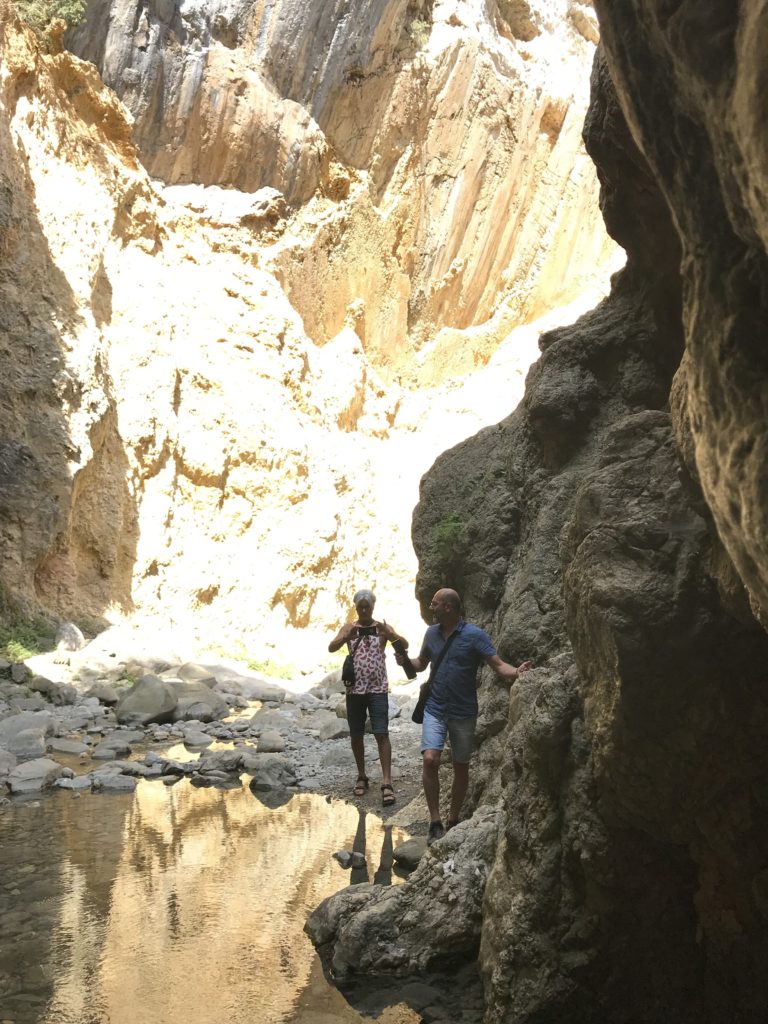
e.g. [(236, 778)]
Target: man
[(451, 708), (368, 695)]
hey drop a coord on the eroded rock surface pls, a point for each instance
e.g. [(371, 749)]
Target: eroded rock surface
[(447, 135), (210, 383), (628, 883)]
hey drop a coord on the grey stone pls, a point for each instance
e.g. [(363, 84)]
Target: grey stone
[(333, 730), (190, 672), (7, 762), (250, 687), (433, 917), (39, 684), (221, 760), (33, 776), (78, 782), (109, 751), (60, 745), (271, 742), (409, 853), (25, 734), (149, 700), (19, 672), (344, 857), (197, 738), (196, 700), (269, 771), (114, 783), (121, 737), (330, 684), (104, 693), (69, 637)]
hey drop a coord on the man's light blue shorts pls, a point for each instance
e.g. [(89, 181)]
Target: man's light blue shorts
[(460, 731)]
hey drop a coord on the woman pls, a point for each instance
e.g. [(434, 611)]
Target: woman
[(368, 694)]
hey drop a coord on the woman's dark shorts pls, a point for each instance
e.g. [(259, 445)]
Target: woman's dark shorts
[(376, 705)]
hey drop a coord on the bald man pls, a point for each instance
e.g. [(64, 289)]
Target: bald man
[(451, 708)]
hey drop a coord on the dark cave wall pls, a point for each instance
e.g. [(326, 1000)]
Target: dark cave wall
[(591, 532)]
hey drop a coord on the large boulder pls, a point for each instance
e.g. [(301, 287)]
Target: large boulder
[(34, 776), (25, 734), (150, 699), (432, 921), (269, 771), (196, 701)]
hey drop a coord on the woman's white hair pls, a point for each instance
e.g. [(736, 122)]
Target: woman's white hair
[(364, 595)]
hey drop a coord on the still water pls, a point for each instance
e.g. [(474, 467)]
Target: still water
[(175, 905)]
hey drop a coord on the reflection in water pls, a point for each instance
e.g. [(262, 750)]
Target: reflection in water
[(178, 905)]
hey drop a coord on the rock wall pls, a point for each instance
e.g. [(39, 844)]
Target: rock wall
[(606, 530), (209, 383), (448, 133), (594, 535)]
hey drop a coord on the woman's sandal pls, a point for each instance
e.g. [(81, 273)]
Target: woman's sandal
[(387, 795), (361, 786)]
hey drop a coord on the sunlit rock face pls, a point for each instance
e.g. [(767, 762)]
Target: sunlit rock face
[(630, 881), (216, 400), (446, 133)]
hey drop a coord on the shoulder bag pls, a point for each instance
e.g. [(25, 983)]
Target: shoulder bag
[(418, 711), (348, 668)]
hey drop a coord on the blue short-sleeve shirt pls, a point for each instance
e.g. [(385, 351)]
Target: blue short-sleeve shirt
[(453, 693)]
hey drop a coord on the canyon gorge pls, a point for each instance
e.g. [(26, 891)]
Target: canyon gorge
[(262, 264)]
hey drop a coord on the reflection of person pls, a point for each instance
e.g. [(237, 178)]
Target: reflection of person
[(383, 874), (451, 708), (368, 695), (359, 874)]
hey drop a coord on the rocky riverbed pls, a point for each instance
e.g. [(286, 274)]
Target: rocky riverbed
[(104, 716), (168, 826)]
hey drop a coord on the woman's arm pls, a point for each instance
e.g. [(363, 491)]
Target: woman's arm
[(342, 636)]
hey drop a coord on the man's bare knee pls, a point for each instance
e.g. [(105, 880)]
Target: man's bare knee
[(431, 759)]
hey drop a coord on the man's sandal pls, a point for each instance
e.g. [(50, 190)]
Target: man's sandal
[(387, 795), (361, 786)]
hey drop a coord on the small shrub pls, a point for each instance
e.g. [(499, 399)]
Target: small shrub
[(22, 635), (419, 32), (18, 642), (42, 16)]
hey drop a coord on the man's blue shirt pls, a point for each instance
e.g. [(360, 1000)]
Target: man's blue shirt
[(453, 693)]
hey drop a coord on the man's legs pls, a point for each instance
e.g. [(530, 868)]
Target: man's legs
[(462, 734), (458, 790), (433, 733), (430, 776)]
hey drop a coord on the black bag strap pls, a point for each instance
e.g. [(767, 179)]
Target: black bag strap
[(353, 649), (438, 659)]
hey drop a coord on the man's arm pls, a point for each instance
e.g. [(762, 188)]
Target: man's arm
[(506, 671), (419, 663)]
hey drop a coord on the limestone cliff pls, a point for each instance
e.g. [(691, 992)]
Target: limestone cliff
[(448, 132), (205, 385), (612, 530)]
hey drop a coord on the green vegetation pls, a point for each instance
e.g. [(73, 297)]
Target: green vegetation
[(272, 669), (448, 536), (50, 18), (21, 640), (22, 635), (419, 32)]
